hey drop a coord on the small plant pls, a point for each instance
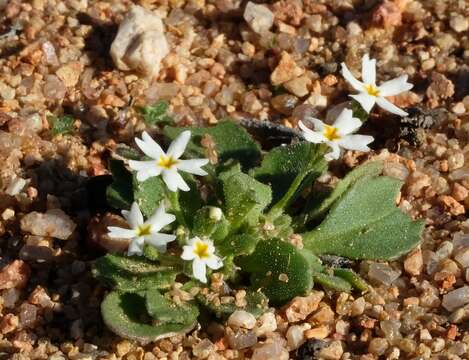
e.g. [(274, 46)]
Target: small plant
[(61, 124), (241, 222), (156, 114)]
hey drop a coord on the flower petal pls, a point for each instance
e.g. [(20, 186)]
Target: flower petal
[(188, 253), (134, 217), (395, 86), (356, 84), (214, 262), (178, 146), (346, 123), (159, 240), (193, 241), (118, 232), (193, 166), (137, 165), (145, 174), (136, 247), (174, 180), (368, 70), (149, 146), (356, 142), (199, 270), (366, 101), (389, 106), (310, 135), (335, 153), (145, 169), (160, 219)]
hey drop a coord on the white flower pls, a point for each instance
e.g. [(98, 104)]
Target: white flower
[(337, 135), (370, 93), (142, 232), (202, 253), (167, 164)]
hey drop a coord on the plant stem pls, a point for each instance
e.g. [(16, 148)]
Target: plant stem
[(289, 196), (319, 165), (173, 197)]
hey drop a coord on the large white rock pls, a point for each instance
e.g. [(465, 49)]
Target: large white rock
[(140, 43), (259, 17)]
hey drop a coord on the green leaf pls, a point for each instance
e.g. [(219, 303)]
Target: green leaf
[(256, 304), (164, 310), (282, 165), (156, 114), (190, 201), (245, 198), (359, 112), (151, 252), (352, 277), (279, 270), (120, 194), (332, 282), (368, 170), (61, 124), (210, 222), (236, 245), (366, 224), (123, 312), (127, 152), (314, 262), (148, 194), (132, 273), (275, 225), (231, 142)]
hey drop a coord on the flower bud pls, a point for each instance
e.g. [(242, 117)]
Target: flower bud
[(215, 214)]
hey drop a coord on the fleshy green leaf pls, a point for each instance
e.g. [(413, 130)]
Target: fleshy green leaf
[(164, 310), (279, 270), (156, 114), (245, 198), (132, 273), (352, 277), (276, 226), (120, 194), (148, 194), (236, 245), (314, 262), (207, 223), (61, 124), (366, 224), (190, 201), (281, 166), (124, 314), (332, 282), (151, 252), (256, 304), (127, 152), (231, 142), (368, 170), (359, 112)]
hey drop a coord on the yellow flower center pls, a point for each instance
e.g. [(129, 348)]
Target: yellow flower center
[(167, 162), (372, 90), (330, 133), (143, 230), (201, 250)]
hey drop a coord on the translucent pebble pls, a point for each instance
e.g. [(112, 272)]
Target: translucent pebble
[(27, 315), (242, 340), (456, 298), (391, 329), (383, 273)]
